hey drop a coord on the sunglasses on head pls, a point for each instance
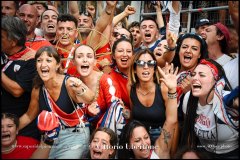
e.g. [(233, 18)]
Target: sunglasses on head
[(116, 34), (85, 14), (150, 63)]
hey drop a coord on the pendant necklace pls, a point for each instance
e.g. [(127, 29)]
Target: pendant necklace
[(144, 94)]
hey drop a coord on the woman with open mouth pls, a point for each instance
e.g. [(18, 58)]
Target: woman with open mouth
[(210, 125), (135, 138), (63, 96), (191, 48), (101, 83)]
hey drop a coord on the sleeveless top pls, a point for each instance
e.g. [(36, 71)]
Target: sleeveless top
[(63, 101), (154, 115)]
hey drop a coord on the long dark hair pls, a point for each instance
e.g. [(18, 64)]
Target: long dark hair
[(188, 133), (125, 152), (203, 47)]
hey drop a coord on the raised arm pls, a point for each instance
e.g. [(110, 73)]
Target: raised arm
[(129, 10), (164, 143), (94, 38), (32, 111), (170, 52), (78, 91), (73, 8), (91, 9), (160, 21), (174, 19), (99, 8)]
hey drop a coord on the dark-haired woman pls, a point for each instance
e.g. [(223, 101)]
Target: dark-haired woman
[(209, 124), (122, 52), (191, 48), (148, 97), (60, 94), (135, 138)]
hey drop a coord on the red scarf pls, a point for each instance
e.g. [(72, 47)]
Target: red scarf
[(68, 119)]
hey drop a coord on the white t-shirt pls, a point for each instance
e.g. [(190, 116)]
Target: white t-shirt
[(174, 18), (205, 129), (232, 71), (223, 59)]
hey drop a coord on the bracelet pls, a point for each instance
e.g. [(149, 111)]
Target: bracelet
[(171, 49), (172, 95), (83, 91), (108, 12)]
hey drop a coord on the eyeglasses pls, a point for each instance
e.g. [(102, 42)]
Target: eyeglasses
[(150, 63), (116, 34), (85, 14)]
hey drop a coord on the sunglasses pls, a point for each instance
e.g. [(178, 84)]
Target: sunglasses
[(85, 14), (150, 63), (116, 34)]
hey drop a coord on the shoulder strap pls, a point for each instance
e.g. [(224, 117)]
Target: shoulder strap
[(75, 108)]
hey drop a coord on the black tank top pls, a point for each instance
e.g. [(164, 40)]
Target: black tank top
[(63, 101), (150, 116)]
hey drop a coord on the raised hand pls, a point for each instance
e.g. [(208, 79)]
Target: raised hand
[(129, 10), (91, 9), (111, 3), (75, 82), (169, 76), (171, 37), (110, 7), (157, 6), (77, 86)]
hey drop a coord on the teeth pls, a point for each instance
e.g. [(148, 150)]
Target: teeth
[(50, 26), (145, 73), (188, 57), (197, 86), (5, 136)]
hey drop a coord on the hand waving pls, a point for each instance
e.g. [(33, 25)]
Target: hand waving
[(169, 77)]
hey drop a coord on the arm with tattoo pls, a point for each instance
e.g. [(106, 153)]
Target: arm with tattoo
[(163, 143)]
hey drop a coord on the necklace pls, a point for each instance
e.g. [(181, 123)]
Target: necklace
[(144, 94), (10, 149)]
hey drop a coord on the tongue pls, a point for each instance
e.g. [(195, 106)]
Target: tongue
[(84, 69), (124, 62), (44, 73), (187, 60), (97, 154)]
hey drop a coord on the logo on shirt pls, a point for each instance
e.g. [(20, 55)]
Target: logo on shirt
[(16, 67)]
